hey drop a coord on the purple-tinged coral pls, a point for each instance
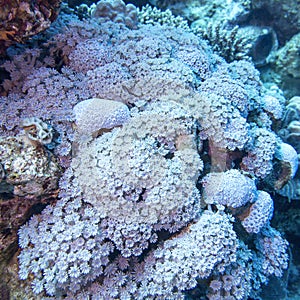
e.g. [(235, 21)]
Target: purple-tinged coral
[(261, 149), (272, 106), (208, 245), (221, 123), (63, 248), (260, 213), (230, 188), (90, 54), (272, 252), (232, 90), (94, 114), (133, 190), (116, 11), (147, 176), (49, 96), (248, 76), (235, 282)]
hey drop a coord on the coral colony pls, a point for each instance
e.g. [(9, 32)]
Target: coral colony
[(165, 149)]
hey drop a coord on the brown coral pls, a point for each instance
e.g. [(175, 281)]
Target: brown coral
[(21, 19)]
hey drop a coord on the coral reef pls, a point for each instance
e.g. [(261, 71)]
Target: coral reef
[(289, 131), (74, 251), (166, 150), (204, 11), (226, 42), (260, 213), (261, 151), (37, 131), (152, 185)]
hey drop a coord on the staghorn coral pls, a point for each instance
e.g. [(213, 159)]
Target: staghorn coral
[(227, 42)]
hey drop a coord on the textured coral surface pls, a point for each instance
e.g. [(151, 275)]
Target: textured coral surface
[(167, 151)]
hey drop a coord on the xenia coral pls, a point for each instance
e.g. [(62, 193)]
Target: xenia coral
[(147, 176), (260, 213), (261, 150), (66, 249), (143, 212)]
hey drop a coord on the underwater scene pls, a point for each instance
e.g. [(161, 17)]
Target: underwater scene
[(149, 150)]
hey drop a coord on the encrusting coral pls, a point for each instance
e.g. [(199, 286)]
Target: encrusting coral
[(162, 198), (93, 115)]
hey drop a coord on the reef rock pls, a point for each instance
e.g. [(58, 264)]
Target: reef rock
[(21, 19)]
